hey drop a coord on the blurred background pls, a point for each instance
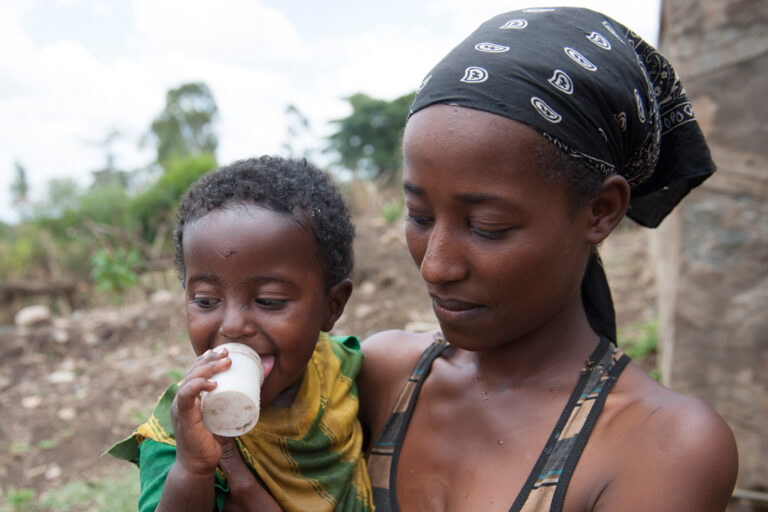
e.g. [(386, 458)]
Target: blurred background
[(109, 110)]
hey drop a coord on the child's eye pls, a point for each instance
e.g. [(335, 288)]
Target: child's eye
[(205, 302)]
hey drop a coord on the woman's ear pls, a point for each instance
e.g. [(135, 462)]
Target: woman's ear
[(336, 299), (607, 208)]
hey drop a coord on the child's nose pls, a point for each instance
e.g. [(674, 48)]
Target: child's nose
[(237, 323)]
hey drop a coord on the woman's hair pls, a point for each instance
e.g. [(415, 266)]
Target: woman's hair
[(293, 188), (582, 181)]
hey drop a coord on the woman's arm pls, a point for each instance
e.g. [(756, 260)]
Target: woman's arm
[(682, 457)]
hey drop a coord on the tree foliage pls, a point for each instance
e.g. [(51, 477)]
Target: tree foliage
[(368, 140), (186, 125), (19, 185), (157, 205), (297, 133), (118, 228)]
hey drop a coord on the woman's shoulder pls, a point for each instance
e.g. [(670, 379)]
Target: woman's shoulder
[(657, 438), (397, 344), (390, 356)]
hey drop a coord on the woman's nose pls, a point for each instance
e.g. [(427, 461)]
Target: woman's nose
[(237, 323), (443, 261)]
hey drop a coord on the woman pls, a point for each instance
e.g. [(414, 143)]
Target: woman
[(525, 147)]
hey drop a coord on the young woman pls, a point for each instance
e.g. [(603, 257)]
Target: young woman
[(525, 147)]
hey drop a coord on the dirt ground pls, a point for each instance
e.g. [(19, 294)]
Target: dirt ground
[(70, 389)]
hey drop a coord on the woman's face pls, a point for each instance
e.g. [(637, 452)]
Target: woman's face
[(500, 250)]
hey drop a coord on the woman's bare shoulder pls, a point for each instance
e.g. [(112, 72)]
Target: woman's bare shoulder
[(670, 443), (390, 356)]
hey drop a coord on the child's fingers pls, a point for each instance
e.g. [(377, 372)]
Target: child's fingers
[(207, 364), (191, 389)]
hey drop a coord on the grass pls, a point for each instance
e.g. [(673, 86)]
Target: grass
[(117, 493), (643, 342), (392, 211)]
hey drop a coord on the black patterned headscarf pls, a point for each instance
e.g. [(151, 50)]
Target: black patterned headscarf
[(598, 92)]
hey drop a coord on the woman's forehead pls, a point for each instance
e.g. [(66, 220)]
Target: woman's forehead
[(470, 136)]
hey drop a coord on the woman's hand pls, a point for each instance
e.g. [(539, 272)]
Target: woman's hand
[(245, 493), (198, 452)]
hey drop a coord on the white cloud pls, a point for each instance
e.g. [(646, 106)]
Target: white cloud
[(59, 96), (244, 31)]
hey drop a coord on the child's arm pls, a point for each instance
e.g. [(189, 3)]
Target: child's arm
[(190, 482), (245, 493), (189, 485)]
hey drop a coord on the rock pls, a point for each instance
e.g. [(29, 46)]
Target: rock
[(368, 288), (5, 381), (33, 315), (53, 472), (31, 402), (61, 377), (363, 310), (421, 326), (163, 297), (66, 414), (60, 336)]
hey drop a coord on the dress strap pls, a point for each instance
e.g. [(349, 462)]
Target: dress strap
[(386, 450), (545, 488)]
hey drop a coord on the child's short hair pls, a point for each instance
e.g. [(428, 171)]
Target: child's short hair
[(292, 187)]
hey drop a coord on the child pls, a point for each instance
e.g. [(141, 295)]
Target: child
[(264, 251)]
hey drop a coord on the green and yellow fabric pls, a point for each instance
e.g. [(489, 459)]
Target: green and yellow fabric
[(308, 456)]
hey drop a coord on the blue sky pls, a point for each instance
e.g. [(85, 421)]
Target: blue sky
[(72, 70)]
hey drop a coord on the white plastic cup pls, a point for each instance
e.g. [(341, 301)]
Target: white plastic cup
[(232, 408)]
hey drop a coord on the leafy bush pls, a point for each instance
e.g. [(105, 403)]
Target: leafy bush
[(158, 203), (392, 211), (645, 343), (114, 272)]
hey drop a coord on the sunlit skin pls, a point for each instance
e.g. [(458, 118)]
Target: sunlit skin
[(253, 276), (502, 254)]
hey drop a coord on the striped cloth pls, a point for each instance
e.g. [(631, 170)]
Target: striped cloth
[(309, 456)]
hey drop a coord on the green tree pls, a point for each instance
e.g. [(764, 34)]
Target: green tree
[(156, 206), (368, 140), (19, 186), (186, 124), (109, 174), (296, 134)]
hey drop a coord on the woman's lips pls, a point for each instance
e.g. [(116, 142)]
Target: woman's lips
[(455, 310)]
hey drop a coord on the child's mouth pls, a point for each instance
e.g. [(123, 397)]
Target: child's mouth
[(267, 362)]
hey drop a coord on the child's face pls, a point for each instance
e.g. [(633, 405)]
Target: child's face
[(253, 277), (497, 245)]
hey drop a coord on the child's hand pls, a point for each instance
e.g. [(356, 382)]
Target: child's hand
[(245, 493), (196, 448)]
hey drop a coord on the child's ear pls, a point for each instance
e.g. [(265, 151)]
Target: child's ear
[(336, 299), (607, 208)]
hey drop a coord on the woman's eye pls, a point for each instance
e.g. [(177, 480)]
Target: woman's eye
[(271, 303), (489, 234), (418, 220)]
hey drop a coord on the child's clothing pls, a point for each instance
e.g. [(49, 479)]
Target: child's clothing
[(308, 456)]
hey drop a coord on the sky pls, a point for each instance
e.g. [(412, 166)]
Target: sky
[(72, 71)]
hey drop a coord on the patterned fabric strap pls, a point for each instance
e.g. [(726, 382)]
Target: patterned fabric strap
[(546, 485), (382, 461)]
